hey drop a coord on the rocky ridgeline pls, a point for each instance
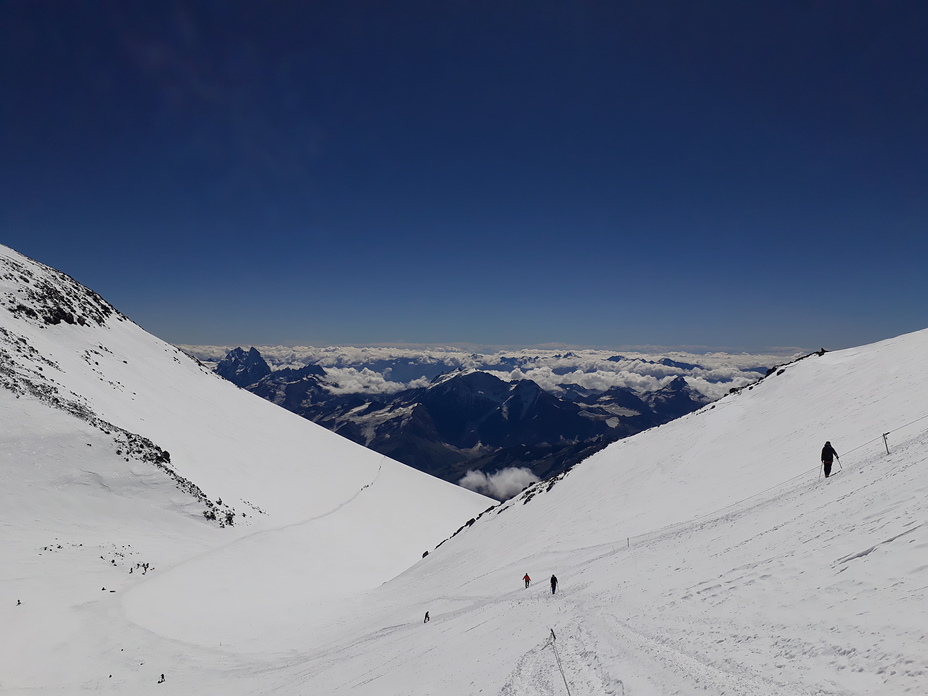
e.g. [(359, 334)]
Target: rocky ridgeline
[(39, 294)]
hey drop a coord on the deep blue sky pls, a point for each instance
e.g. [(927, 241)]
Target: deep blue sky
[(739, 174)]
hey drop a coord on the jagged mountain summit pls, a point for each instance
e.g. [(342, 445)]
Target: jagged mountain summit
[(468, 420), (243, 367)]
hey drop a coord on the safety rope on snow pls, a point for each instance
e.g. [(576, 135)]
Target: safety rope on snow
[(716, 513), (551, 639), (877, 439)]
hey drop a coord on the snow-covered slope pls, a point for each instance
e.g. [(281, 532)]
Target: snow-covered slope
[(115, 447), (702, 557), (705, 556)]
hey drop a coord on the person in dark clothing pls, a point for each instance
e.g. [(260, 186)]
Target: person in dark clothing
[(828, 456), (426, 619), (553, 584), (528, 580)]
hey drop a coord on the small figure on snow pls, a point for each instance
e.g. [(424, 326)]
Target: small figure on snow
[(553, 584), (426, 619), (828, 456), (161, 681), (528, 580)]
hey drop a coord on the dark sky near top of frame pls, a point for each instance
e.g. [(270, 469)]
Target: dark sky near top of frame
[(221, 146), (319, 110)]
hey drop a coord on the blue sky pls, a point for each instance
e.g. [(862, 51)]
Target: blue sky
[(725, 174)]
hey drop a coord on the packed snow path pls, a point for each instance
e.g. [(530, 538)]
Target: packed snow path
[(710, 607)]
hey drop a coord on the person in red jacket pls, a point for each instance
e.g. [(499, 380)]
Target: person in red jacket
[(528, 580)]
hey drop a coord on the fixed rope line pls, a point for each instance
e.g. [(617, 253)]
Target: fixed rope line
[(719, 512), (877, 439), (557, 657), (908, 424)]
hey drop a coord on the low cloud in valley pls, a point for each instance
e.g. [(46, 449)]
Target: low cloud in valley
[(501, 485)]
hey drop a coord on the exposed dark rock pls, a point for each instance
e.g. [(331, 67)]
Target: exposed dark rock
[(243, 368), (48, 297)]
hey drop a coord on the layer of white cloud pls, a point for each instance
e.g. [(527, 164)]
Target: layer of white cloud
[(501, 485), (348, 380), (366, 369), (602, 380)]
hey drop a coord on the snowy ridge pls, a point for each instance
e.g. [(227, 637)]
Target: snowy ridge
[(125, 463), (764, 440), (45, 297), (115, 372)]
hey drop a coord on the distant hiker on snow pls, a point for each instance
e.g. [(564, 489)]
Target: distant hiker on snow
[(828, 456), (528, 580), (553, 584), (426, 619)]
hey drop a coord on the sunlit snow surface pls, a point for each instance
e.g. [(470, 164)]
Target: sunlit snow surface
[(702, 557), (94, 538)]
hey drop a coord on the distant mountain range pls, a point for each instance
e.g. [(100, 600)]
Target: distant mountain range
[(467, 419)]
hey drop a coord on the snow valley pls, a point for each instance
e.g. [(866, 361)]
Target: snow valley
[(163, 530)]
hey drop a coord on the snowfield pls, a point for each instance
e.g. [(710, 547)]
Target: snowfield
[(93, 519), (706, 556)]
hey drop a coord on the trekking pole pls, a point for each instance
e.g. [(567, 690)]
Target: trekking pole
[(839, 463), (820, 472)]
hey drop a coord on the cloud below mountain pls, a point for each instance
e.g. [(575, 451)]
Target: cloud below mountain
[(501, 485), (387, 370), (350, 380)]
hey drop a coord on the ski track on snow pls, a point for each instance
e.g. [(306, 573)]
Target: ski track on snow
[(262, 532)]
